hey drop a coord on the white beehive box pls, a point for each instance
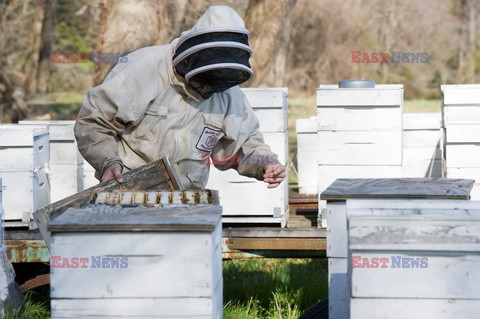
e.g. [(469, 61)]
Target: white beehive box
[(307, 148), (338, 212), (429, 253), (171, 266), (244, 199), (24, 157), (422, 145), (66, 163), (461, 122), (359, 132), (89, 178)]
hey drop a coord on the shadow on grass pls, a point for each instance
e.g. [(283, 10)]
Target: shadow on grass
[(299, 283)]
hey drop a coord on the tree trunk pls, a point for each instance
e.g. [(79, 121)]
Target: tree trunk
[(269, 23), (127, 25), (43, 71), (38, 18)]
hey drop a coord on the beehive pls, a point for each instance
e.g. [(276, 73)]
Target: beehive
[(24, 157), (66, 163), (141, 262), (461, 124), (263, 205)]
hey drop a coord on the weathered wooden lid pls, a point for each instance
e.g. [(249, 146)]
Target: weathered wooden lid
[(103, 218), (421, 188)]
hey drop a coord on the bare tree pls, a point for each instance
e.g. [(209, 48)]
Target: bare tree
[(269, 22)]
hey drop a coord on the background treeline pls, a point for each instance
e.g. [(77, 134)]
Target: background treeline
[(296, 43)]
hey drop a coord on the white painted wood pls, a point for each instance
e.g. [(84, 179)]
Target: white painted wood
[(461, 114), (23, 193), (25, 172), (270, 106), (307, 146), (200, 308), (338, 291), (360, 148), (463, 133), (337, 237), (64, 158), (422, 121), (460, 94), (464, 172), (381, 95), (234, 188), (447, 276), (421, 139), (89, 179), (475, 193), (415, 229), (359, 118), (167, 273), (58, 130), (365, 206), (185, 257), (327, 174), (381, 308), (463, 155)]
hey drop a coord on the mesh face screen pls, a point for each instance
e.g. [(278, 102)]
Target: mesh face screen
[(212, 56), (215, 81), (211, 37)]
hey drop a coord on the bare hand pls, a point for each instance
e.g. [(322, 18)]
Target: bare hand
[(274, 174), (113, 171)]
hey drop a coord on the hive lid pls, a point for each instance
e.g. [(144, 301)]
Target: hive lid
[(421, 188), (103, 218)]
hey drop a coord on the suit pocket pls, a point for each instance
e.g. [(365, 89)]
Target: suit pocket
[(148, 129)]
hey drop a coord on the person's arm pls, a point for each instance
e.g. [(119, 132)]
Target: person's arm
[(105, 112), (246, 151)]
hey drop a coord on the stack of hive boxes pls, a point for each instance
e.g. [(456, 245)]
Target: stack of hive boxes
[(307, 167), (153, 262), (359, 132), (461, 123), (66, 163), (422, 151), (24, 158), (246, 200)]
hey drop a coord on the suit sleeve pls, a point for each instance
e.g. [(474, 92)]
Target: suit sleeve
[(105, 112), (245, 150)]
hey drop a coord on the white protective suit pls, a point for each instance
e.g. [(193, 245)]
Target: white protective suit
[(144, 111)]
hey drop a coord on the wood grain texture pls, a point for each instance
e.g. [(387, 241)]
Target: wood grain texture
[(186, 218), (159, 265), (381, 308), (379, 188), (152, 176), (360, 147), (381, 95), (199, 308), (415, 229), (448, 276)]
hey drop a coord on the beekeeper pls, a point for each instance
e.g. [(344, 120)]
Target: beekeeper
[(180, 100)]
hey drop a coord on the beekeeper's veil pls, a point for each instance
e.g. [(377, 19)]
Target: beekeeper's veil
[(213, 55)]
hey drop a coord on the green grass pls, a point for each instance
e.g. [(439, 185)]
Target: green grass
[(421, 106), (252, 289), (36, 305), (272, 288)]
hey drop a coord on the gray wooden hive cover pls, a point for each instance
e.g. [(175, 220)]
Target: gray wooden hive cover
[(426, 188), (102, 218)]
